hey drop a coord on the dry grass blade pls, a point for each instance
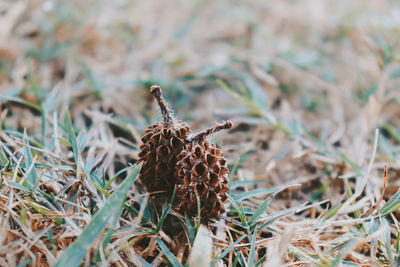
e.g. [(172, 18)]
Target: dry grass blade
[(314, 103)]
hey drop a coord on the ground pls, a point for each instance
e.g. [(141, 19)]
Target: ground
[(312, 90)]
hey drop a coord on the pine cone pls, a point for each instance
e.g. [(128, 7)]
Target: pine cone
[(202, 169), (162, 142)]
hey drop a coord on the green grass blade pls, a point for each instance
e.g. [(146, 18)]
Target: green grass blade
[(108, 184), (242, 216), (190, 229), (252, 256), (226, 251), (19, 135), (332, 212), (235, 184), (339, 258), (43, 116), (22, 102), (198, 213), (18, 186), (113, 226), (3, 158), (75, 253), (392, 205), (259, 211), (162, 218), (32, 176), (257, 93), (347, 187), (72, 137), (144, 262), (168, 253), (320, 191), (386, 238), (235, 261), (254, 193), (261, 260), (393, 132), (262, 191), (34, 85)]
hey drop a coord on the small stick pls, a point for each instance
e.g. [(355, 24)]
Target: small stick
[(166, 112), (200, 136)]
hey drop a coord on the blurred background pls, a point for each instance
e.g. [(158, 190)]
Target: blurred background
[(306, 83)]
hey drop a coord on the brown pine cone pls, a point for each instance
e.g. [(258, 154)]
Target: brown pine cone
[(162, 142), (202, 169)]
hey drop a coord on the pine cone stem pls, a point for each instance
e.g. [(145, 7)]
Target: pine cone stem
[(200, 136), (166, 112)]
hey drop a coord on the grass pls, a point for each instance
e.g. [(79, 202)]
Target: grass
[(312, 90)]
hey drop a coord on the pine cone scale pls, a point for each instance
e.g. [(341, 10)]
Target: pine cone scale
[(162, 142), (203, 171)]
